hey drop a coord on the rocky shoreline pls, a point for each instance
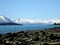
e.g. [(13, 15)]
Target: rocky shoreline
[(32, 37)]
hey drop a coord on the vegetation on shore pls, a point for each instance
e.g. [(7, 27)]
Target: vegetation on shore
[(49, 36), (56, 23)]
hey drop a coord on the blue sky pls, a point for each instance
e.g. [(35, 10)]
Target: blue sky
[(31, 9)]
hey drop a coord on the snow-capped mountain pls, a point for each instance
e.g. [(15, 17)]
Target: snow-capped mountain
[(4, 19), (54, 21), (24, 21), (29, 21)]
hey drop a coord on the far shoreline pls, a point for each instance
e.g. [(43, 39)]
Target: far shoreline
[(10, 24)]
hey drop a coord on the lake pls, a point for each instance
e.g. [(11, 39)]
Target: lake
[(15, 28)]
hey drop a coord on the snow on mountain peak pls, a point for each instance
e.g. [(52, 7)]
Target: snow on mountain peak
[(50, 21), (23, 20), (4, 19), (29, 21)]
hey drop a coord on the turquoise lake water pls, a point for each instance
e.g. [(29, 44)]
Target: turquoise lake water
[(15, 28)]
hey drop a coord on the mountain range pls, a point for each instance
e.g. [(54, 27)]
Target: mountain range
[(4, 19), (29, 21)]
